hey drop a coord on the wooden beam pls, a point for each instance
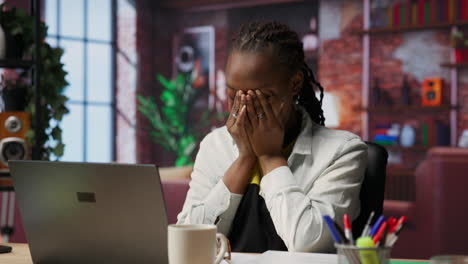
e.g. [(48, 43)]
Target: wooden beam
[(205, 5)]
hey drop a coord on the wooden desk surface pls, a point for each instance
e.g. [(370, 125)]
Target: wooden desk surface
[(20, 255)]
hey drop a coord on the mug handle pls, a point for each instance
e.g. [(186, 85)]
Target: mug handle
[(225, 247)]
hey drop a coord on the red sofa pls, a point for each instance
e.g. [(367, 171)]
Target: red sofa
[(438, 217)]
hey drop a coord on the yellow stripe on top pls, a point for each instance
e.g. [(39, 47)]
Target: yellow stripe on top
[(257, 172)]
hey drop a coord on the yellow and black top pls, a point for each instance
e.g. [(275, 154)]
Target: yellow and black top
[(252, 228)]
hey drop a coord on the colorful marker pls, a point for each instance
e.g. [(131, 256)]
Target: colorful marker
[(331, 226), (377, 225), (367, 227), (347, 229)]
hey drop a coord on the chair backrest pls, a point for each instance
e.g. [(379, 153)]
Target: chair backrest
[(373, 186)]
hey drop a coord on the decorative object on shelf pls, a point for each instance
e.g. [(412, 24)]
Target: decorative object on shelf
[(432, 91), (13, 95), (463, 140), (310, 39), (379, 14), (443, 134), (408, 136), (171, 124), (2, 43), (13, 129), (386, 134), (15, 23), (394, 157), (405, 96), (460, 43), (20, 25), (380, 96)]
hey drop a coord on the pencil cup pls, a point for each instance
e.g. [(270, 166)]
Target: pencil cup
[(350, 254)]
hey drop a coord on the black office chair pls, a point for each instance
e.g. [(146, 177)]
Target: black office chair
[(373, 186)]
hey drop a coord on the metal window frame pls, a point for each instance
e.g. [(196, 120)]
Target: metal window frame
[(85, 40)]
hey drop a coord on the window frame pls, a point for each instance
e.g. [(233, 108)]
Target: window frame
[(85, 103)]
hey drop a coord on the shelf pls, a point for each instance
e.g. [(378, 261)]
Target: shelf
[(414, 148), (400, 171), (6, 184), (411, 28), (401, 109), (16, 63), (459, 65)]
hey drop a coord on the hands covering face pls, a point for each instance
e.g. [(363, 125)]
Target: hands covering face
[(254, 124)]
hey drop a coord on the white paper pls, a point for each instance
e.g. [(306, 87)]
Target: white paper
[(242, 258), (282, 257)]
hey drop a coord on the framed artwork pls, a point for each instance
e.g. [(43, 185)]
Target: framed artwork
[(195, 55)]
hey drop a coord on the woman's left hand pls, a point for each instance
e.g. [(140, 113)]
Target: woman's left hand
[(267, 132)]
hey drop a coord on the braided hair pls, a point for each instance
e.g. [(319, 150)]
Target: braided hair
[(256, 36)]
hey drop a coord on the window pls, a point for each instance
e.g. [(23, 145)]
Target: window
[(83, 28)]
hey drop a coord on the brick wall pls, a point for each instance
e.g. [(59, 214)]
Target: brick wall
[(416, 55)]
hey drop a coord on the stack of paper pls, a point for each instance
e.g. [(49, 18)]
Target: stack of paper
[(281, 257)]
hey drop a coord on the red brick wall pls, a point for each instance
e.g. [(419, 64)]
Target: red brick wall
[(340, 69), (340, 66)]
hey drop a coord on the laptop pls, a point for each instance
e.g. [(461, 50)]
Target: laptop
[(91, 213)]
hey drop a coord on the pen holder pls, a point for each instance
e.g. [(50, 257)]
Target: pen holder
[(350, 254)]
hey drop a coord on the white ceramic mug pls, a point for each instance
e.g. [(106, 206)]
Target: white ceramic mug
[(196, 244)]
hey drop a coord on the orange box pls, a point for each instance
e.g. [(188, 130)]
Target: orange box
[(432, 91)]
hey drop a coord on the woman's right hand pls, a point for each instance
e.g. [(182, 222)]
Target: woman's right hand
[(238, 175), (238, 125)]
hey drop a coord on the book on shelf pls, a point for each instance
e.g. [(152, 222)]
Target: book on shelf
[(414, 12), (435, 133), (421, 12), (396, 14), (390, 16), (433, 12), (463, 10), (441, 10), (408, 13)]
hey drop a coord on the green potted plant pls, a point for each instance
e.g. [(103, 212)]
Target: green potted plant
[(20, 25), (171, 122)]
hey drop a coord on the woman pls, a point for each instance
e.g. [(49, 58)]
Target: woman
[(268, 176)]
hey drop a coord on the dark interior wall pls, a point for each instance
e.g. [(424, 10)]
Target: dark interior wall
[(155, 27), (168, 23), (295, 15)]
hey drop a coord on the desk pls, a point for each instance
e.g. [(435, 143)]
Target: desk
[(20, 255)]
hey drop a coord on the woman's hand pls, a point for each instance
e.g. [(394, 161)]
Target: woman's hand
[(267, 131), (238, 126), (238, 175)]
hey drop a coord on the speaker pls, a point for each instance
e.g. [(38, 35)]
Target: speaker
[(432, 92), (13, 146)]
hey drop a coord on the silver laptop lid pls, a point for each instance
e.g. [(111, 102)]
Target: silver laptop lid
[(91, 213)]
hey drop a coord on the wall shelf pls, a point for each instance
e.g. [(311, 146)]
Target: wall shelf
[(459, 65), (397, 109), (445, 25), (413, 148), (16, 63), (400, 184)]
